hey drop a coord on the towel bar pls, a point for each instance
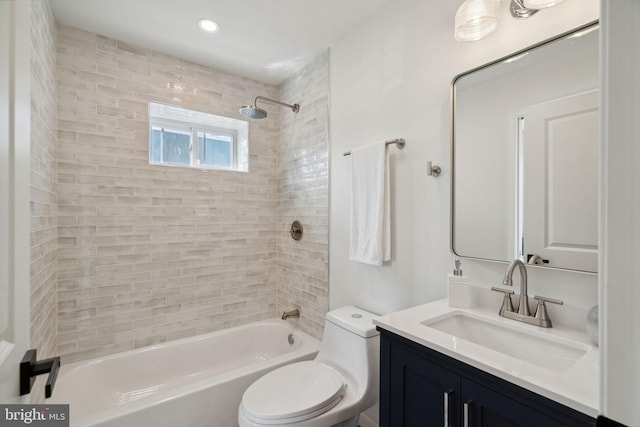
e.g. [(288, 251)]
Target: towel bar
[(398, 141)]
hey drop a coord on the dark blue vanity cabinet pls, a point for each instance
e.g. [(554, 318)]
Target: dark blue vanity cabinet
[(420, 387)]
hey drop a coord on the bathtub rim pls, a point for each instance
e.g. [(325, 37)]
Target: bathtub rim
[(307, 350)]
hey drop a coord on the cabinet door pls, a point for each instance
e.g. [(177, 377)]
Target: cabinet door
[(483, 407), (420, 393)]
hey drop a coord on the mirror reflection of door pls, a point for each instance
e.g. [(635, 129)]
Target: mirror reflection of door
[(487, 193), (560, 142)]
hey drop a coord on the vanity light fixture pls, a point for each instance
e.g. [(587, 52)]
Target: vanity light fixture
[(208, 25), (521, 9), (541, 4), (476, 19)]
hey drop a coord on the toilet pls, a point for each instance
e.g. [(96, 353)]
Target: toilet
[(331, 390)]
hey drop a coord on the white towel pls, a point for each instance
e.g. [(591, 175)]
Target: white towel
[(370, 207)]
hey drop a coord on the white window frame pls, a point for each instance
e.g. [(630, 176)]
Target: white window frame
[(178, 128), (229, 133), (193, 128)]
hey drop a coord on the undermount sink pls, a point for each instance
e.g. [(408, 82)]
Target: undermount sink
[(546, 352)]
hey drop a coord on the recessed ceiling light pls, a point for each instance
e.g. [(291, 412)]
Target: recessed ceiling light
[(208, 25)]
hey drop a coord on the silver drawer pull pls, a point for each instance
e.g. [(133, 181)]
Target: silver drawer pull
[(465, 414), (446, 409)]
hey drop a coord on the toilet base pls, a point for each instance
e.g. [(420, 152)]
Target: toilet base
[(351, 422)]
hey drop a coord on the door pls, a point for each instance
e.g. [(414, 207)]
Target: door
[(15, 105), (560, 143), (483, 407), (420, 393)]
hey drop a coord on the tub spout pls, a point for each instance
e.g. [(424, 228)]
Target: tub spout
[(292, 313)]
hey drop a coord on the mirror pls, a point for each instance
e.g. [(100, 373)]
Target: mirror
[(525, 155)]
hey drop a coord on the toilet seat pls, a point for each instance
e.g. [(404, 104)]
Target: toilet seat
[(292, 393)]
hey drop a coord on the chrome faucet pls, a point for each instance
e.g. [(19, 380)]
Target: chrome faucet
[(523, 307), (541, 317)]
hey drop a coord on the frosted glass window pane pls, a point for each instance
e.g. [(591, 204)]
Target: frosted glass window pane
[(156, 145), (176, 148), (215, 151)]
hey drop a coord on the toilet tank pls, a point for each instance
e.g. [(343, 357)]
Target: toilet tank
[(351, 344), (354, 320)]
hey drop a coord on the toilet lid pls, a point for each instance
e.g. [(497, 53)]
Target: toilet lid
[(301, 390)]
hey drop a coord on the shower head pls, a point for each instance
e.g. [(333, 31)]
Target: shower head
[(254, 112)]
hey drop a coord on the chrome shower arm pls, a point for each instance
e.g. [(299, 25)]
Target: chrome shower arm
[(294, 107)]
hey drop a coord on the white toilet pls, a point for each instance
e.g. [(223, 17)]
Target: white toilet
[(331, 390)]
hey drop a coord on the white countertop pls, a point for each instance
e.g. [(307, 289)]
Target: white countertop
[(576, 387)]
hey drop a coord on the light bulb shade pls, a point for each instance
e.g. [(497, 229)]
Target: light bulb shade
[(541, 4), (476, 19)]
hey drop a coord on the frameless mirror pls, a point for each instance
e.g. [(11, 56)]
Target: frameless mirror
[(525, 155)]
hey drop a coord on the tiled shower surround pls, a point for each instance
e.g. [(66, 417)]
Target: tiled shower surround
[(150, 253), (43, 187), (303, 185)]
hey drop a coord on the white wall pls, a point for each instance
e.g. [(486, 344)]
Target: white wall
[(620, 275), (390, 78), (15, 182)]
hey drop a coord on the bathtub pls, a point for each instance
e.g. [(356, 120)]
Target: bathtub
[(189, 382)]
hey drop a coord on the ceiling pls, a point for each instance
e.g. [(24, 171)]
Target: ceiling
[(266, 40)]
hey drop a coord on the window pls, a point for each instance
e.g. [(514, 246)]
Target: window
[(181, 137), (215, 150)]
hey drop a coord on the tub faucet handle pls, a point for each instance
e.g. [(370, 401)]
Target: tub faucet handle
[(291, 313)]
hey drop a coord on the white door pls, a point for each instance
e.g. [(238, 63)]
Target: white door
[(15, 106), (561, 172)]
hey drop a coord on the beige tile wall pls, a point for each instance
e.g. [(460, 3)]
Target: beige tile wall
[(43, 186), (303, 195), (153, 253)]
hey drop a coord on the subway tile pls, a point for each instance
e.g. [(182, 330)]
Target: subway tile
[(92, 77), (182, 251), (114, 328), (100, 341), (150, 339), (113, 290), (74, 337)]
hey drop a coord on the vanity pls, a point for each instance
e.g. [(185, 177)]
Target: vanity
[(470, 367)]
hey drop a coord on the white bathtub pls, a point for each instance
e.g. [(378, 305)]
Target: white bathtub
[(195, 381)]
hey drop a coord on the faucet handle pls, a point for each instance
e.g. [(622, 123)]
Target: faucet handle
[(541, 310), (507, 305), (542, 300)]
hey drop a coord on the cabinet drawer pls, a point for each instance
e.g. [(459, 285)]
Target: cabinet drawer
[(422, 387)]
